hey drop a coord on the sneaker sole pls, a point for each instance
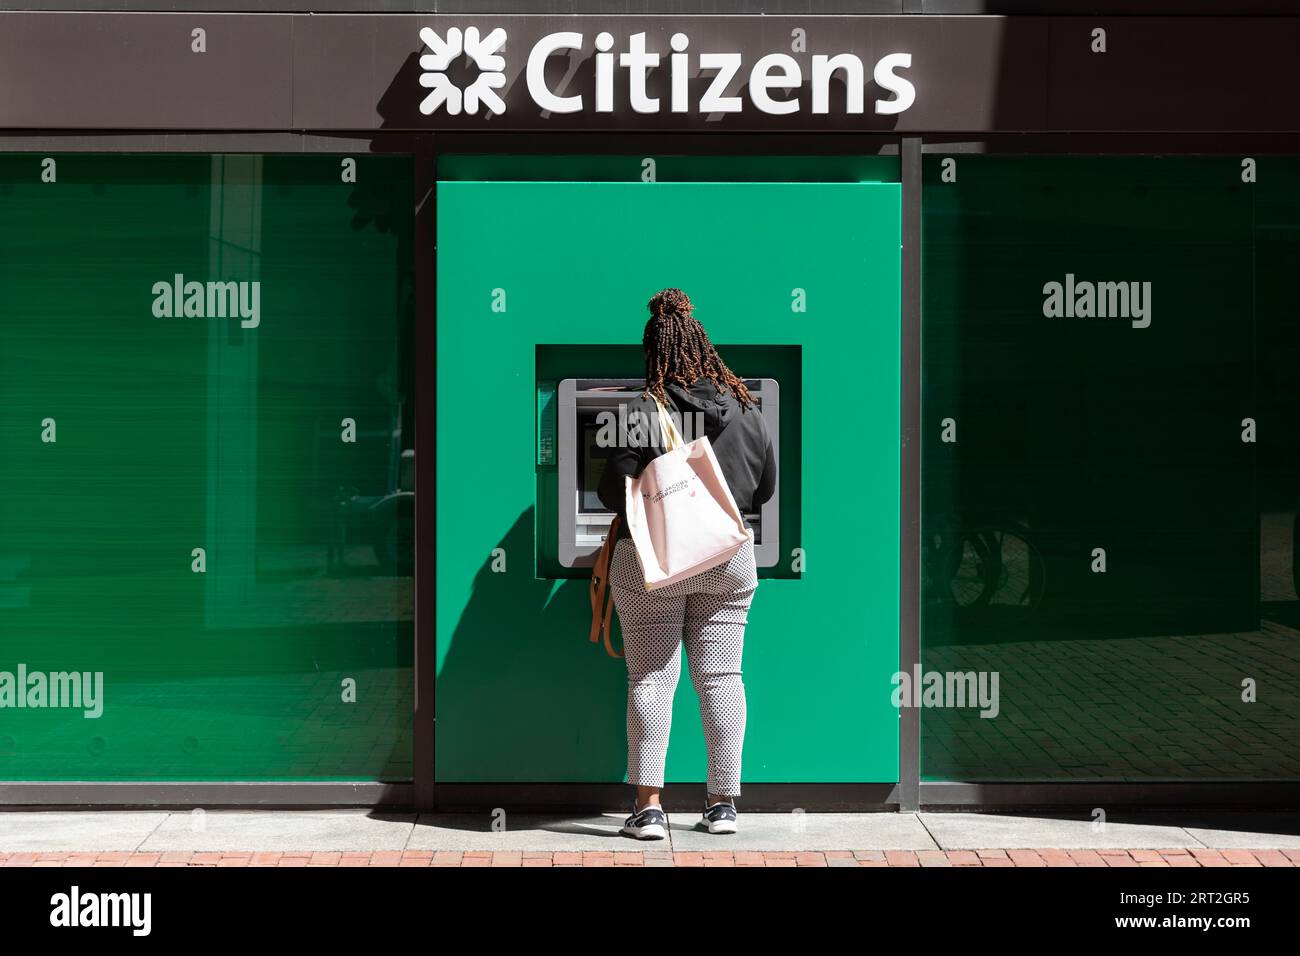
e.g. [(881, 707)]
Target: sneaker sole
[(724, 826), (652, 832)]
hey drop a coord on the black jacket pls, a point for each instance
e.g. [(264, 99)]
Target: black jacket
[(738, 435)]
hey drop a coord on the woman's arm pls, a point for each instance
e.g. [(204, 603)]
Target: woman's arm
[(767, 480)]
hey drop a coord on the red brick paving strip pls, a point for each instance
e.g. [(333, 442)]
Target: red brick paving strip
[(622, 858)]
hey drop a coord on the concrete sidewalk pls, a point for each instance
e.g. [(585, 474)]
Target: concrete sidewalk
[(360, 837)]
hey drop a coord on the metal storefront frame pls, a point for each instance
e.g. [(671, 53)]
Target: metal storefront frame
[(1060, 796), (250, 794), (423, 792), (827, 797)]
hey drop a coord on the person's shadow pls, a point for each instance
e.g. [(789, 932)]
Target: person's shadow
[(522, 695)]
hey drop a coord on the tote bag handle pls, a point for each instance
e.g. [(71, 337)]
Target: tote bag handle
[(672, 437)]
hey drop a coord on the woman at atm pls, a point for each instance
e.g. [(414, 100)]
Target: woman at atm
[(707, 611)]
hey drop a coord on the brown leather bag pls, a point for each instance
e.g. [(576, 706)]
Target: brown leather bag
[(602, 601)]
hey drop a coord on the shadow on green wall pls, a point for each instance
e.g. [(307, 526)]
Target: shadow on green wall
[(521, 679)]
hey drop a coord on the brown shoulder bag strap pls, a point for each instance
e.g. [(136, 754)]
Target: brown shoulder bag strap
[(602, 601)]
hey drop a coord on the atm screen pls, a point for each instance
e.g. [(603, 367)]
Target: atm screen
[(581, 407), (591, 465)]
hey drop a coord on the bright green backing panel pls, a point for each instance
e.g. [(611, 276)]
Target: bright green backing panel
[(521, 694), (178, 433)]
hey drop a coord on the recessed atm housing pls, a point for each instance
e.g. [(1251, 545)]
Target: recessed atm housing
[(583, 520)]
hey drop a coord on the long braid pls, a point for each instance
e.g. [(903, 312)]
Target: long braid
[(678, 350)]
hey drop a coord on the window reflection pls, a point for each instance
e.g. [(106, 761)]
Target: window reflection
[(1108, 518), (223, 526)]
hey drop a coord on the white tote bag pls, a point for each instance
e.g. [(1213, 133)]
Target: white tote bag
[(680, 512)]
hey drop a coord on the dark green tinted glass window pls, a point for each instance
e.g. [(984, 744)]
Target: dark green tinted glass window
[(206, 467), (1110, 467)]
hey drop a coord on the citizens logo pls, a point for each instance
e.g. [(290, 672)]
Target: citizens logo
[(482, 51), (773, 84)]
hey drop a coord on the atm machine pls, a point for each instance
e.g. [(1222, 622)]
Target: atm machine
[(583, 520)]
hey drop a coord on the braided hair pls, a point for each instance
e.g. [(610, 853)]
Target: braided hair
[(678, 350)]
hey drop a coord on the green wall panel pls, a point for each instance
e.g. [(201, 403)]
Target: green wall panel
[(201, 431), (521, 694)]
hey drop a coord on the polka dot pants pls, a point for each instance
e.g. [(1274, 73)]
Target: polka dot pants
[(707, 610)]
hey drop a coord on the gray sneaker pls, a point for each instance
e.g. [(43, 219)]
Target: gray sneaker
[(720, 818), (647, 824)]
